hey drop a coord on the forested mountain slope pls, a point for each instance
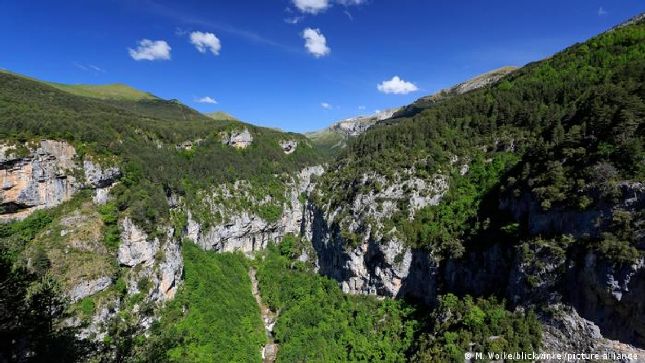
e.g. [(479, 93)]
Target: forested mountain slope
[(536, 181), (507, 217), (104, 190)]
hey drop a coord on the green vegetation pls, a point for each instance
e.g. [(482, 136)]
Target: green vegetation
[(318, 323), (328, 141), (32, 303), (482, 325), (213, 318), (445, 226), (109, 215), (115, 91), (220, 115), (574, 122), (144, 135)]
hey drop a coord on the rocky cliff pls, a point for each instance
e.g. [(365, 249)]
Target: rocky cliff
[(355, 126), (355, 246), (45, 174), (240, 229)]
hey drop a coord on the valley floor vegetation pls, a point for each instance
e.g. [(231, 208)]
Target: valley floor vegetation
[(215, 318)]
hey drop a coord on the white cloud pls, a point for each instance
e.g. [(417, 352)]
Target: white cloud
[(351, 2), (206, 99), (315, 42), (205, 41), (180, 32), (96, 68), (151, 50), (311, 6), (293, 20), (319, 6), (397, 86), (326, 106), (601, 11), (89, 67)]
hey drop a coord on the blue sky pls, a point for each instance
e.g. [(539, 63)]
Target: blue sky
[(256, 64)]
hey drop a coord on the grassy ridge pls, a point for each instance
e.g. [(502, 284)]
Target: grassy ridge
[(144, 135), (117, 91)]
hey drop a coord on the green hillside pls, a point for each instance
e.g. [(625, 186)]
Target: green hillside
[(328, 141), (566, 118), (221, 115), (143, 136), (565, 135), (117, 91)]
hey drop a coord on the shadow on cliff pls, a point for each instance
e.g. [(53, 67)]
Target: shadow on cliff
[(330, 249)]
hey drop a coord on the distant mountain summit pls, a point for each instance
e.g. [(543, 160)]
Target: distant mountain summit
[(335, 136), (221, 115), (355, 126), (480, 81), (116, 91)]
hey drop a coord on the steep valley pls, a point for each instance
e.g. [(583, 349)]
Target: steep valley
[(506, 214)]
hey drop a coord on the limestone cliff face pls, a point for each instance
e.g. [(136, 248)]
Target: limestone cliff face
[(564, 330), (587, 223), (357, 125), (607, 292), (377, 261), (239, 139), (604, 297), (45, 175), (157, 261), (245, 231)]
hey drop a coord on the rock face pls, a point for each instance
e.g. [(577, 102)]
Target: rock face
[(610, 295), (135, 248), (158, 262), (357, 125), (565, 331), (88, 288), (377, 261), (41, 179), (45, 177), (247, 232), (239, 139), (289, 146), (354, 248), (589, 222)]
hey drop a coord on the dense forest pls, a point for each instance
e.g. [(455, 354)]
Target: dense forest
[(565, 133), (142, 136), (567, 130)]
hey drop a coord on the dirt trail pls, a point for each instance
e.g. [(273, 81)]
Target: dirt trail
[(269, 318)]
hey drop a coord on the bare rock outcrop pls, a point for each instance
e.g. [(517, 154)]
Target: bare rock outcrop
[(41, 179), (239, 139), (357, 125), (244, 231), (157, 261), (289, 146), (565, 331), (88, 288), (45, 175)]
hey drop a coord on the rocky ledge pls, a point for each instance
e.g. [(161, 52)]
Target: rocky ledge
[(239, 139), (46, 174)]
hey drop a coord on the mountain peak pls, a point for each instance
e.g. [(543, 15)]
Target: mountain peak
[(114, 91), (221, 115)]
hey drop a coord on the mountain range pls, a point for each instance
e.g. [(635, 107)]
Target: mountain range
[(505, 214)]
